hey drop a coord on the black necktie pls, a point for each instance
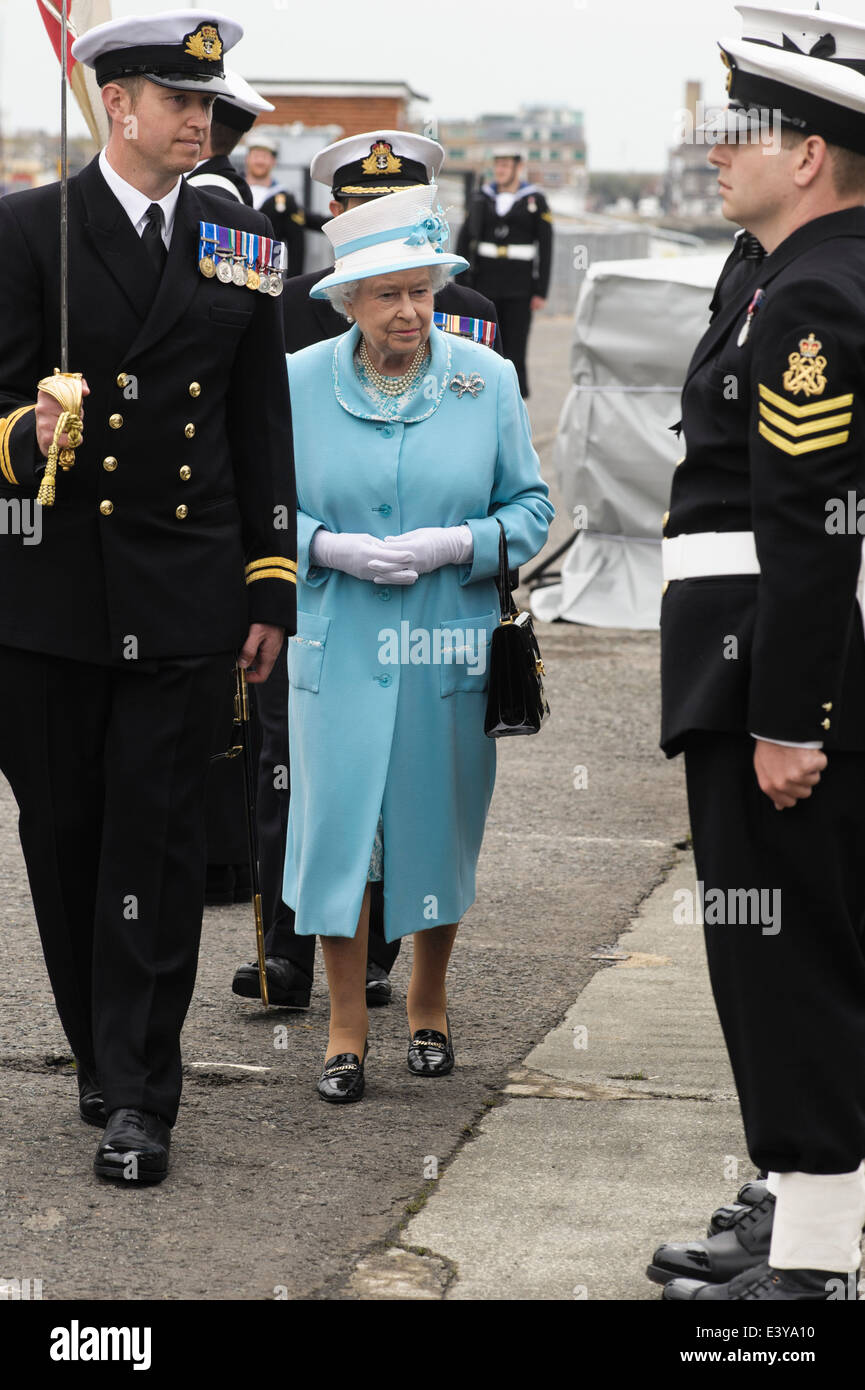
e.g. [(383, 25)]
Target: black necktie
[(152, 238)]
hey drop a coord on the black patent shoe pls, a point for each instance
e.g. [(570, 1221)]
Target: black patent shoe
[(134, 1147), (287, 986), (430, 1053), (91, 1104), (378, 986), (763, 1284), (725, 1217), (719, 1258), (342, 1079)]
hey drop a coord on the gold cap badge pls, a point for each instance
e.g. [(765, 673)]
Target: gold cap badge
[(381, 159), (204, 42)]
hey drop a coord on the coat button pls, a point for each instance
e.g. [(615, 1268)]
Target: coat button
[(386, 509), (189, 431), (182, 512), (186, 473), (384, 680), (115, 421), (825, 723), (387, 432), (109, 464), (122, 380), (106, 508), (194, 389), (827, 706), (384, 593)]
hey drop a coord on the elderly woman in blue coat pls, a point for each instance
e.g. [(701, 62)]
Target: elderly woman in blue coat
[(411, 446)]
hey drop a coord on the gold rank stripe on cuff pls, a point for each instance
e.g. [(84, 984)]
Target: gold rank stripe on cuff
[(814, 420), (6, 428), (272, 567)]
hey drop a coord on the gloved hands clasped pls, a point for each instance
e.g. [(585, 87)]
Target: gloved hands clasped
[(396, 559)]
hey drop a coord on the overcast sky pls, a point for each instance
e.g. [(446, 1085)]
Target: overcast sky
[(624, 63)]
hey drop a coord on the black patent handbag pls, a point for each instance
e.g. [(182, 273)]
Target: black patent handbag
[(516, 703)]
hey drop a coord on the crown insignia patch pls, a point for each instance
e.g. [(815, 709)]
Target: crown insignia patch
[(204, 42), (381, 159), (805, 372)]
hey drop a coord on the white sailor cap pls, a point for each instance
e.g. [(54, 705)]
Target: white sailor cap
[(241, 110), (182, 49), (813, 33), (264, 142), (508, 151), (376, 163), (814, 95)]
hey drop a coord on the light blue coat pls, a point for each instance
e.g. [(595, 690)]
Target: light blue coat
[(371, 729)]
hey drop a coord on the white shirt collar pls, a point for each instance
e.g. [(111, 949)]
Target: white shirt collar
[(135, 203)]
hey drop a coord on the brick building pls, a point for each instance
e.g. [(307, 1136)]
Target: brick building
[(351, 106)]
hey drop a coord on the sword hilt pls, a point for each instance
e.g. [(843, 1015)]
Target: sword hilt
[(67, 390)]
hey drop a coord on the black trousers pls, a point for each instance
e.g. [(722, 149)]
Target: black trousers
[(515, 321), (108, 766), (791, 1001), (274, 792)]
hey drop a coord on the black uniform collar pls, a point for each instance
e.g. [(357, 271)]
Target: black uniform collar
[(846, 223)]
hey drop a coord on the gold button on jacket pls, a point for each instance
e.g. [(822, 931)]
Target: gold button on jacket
[(194, 389), (106, 508), (115, 421), (122, 380), (182, 512), (109, 463), (189, 431), (186, 472)]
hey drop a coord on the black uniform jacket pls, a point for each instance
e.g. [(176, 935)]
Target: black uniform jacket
[(176, 525), (774, 436), (307, 320), (220, 164), (528, 223)]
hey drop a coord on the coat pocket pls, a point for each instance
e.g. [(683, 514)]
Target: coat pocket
[(464, 649), (306, 652)]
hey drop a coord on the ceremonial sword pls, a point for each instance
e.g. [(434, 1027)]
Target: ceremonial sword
[(64, 386)]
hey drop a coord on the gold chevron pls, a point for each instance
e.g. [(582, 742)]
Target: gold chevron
[(272, 574), (802, 412), (806, 446), (831, 422), (271, 562), (6, 428)]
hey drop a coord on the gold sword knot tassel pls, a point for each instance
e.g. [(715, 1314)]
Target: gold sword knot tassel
[(66, 389)]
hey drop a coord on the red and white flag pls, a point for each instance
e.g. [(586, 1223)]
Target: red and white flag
[(81, 15)]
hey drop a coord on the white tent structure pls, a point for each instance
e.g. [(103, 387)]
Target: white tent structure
[(636, 326)]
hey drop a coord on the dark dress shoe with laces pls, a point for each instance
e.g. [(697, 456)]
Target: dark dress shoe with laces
[(342, 1079), (134, 1147), (378, 986), (430, 1053), (763, 1284), (287, 986), (91, 1104), (724, 1217), (719, 1258)]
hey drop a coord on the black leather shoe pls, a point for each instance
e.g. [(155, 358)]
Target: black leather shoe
[(287, 985), (763, 1284), (91, 1105), (134, 1147), (431, 1053), (342, 1079), (378, 986), (724, 1217), (719, 1258)]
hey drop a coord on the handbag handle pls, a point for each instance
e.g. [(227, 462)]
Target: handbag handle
[(506, 599)]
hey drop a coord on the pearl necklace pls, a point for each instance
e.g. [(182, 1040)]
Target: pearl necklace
[(393, 385)]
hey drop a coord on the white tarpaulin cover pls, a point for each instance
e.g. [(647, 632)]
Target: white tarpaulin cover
[(636, 326)]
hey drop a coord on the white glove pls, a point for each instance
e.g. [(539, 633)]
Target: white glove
[(362, 556), (431, 547)]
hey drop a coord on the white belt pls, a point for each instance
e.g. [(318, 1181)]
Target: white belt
[(705, 553), (506, 252)]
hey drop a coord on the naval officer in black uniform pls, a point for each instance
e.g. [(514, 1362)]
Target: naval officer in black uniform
[(356, 170), (507, 236), (763, 660), (170, 548), (231, 118)]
